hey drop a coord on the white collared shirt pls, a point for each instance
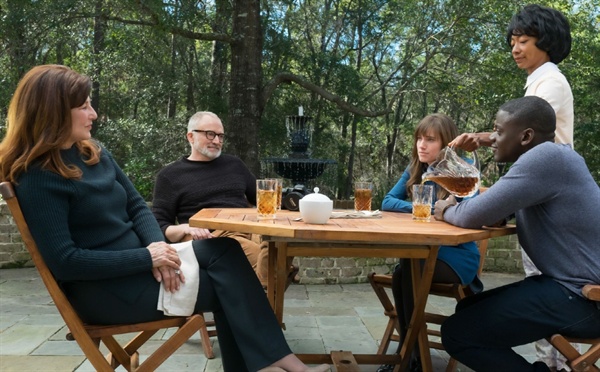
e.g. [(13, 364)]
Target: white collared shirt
[(549, 83)]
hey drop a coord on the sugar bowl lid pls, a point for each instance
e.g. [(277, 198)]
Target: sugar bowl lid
[(316, 197)]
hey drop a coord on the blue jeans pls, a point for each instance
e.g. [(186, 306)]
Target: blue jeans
[(486, 326)]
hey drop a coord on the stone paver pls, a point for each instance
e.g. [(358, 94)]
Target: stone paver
[(318, 318)]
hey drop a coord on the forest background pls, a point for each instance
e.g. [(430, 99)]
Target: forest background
[(365, 71)]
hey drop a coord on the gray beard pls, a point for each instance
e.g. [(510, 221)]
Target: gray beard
[(209, 154)]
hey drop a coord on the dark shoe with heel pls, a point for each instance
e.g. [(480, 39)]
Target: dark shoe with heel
[(292, 276)]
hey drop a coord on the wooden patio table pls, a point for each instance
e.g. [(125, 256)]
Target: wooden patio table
[(394, 235)]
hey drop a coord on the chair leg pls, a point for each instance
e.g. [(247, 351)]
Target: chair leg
[(118, 355), (387, 337), (588, 361), (564, 346), (173, 343), (206, 344), (578, 361), (452, 364), (380, 282)]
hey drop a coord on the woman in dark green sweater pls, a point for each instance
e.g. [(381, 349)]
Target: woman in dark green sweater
[(101, 241)]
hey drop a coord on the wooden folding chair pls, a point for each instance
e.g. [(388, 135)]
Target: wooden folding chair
[(579, 362), (88, 336), (457, 291)]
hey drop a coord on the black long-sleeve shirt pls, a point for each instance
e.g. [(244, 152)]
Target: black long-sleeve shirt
[(184, 187)]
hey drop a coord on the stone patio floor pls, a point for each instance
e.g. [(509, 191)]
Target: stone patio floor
[(318, 318)]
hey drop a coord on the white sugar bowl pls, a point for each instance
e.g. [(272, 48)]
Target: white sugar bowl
[(316, 208)]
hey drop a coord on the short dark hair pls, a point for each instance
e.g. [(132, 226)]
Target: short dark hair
[(550, 27), (531, 112)]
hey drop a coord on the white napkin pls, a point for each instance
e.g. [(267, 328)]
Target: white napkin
[(356, 214), (182, 302)]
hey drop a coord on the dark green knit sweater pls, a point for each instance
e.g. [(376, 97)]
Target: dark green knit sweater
[(88, 229)]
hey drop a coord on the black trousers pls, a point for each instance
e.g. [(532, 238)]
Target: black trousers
[(250, 337), (486, 326)]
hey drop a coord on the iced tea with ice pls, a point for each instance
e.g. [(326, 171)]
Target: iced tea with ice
[(266, 199), (362, 196), (422, 199)]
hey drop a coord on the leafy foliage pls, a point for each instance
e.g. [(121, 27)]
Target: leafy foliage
[(143, 146), (158, 61)]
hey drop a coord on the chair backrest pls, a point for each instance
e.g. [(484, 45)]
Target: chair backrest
[(72, 320)]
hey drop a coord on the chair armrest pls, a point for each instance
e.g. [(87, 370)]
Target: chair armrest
[(591, 291)]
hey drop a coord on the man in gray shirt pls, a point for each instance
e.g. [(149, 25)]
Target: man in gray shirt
[(557, 207)]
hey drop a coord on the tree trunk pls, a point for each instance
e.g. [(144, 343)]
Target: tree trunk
[(172, 100), (18, 48), (350, 173), (190, 86), (218, 72), (245, 108), (98, 48)]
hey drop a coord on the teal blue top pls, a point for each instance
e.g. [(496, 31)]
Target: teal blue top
[(462, 258), (93, 228)]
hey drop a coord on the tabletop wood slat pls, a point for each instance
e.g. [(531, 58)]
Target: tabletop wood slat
[(392, 227)]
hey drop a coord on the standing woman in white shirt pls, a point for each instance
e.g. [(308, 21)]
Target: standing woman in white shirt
[(540, 38)]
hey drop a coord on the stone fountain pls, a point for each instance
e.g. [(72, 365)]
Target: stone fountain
[(298, 167)]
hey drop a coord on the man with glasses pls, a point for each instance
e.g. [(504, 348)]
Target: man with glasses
[(206, 179)]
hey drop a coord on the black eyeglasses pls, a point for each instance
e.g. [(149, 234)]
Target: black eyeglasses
[(210, 135)]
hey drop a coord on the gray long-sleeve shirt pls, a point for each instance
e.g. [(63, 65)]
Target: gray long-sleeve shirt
[(557, 206)]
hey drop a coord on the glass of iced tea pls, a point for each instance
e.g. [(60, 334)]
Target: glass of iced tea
[(362, 196), (422, 199), (266, 198)]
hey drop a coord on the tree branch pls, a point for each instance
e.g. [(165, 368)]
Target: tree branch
[(286, 77), (207, 36), (155, 21)]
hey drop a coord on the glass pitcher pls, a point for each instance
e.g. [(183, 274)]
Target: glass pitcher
[(457, 172)]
